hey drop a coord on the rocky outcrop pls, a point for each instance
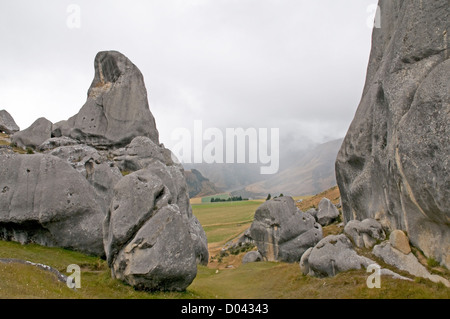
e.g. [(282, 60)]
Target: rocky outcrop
[(75, 194), (43, 200), (251, 257), (335, 254), (116, 110), (7, 123), (364, 233), (400, 241), (282, 232), (332, 255), (147, 234), (407, 262), (34, 135), (393, 163), (327, 212), (98, 170)]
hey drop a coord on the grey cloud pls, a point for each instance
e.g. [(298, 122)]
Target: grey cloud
[(287, 64)]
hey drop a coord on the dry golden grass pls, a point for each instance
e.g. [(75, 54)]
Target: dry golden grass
[(313, 201)]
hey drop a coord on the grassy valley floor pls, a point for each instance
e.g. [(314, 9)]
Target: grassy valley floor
[(224, 277)]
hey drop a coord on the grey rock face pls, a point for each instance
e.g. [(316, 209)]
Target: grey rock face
[(35, 135), (7, 123), (333, 254), (146, 235), (327, 212), (116, 109), (43, 200), (140, 153), (312, 212), (251, 257), (399, 241), (95, 167), (55, 142), (365, 233), (160, 256), (393, 163), (282, 232), (407, 262)]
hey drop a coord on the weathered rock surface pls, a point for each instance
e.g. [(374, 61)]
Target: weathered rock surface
[(95, 167), (116, 110), (399, 241), (312, 212), (282, 232), (251, 257), (146, 232), (327, 212), (160, 256), (74, 195), (333, 254), (407, 262), (7, 123), (43, 200), (139, 154), (365, 233), (35, 135), (55, 142), (393, 165)]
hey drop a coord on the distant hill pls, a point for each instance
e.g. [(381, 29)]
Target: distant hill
[(229, 177), (198, 185), (304, 173), (312, 173)]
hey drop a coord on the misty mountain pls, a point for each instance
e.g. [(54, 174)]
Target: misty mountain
[(312, 173), (304, 172), (198, 185)]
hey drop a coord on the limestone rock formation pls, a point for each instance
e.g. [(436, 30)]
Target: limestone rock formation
[(45, 201), (327, 212), (147, 239), (74, 195), (393, 164), (399, 241), (7, 123), (335, 254), (35, 135), (364, 233), (407, 262), (251, 257), (282, 232), (116, 109), (332, 255)]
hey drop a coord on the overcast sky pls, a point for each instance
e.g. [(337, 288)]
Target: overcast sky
[(291, 64)]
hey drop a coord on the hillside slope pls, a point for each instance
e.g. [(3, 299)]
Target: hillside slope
[(312, 173), (198, 185)]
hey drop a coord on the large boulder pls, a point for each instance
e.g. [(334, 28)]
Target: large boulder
[(393, 164), (365, 233), (7, 123), (327, 212), (45, 201), (333, 254), (35, 135), (92, 165), (407, 262), (116, 109), (139, 154), (146, 234), (252, 257), (282, 232)]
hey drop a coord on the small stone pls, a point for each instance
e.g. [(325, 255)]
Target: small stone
[(400, 241)]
